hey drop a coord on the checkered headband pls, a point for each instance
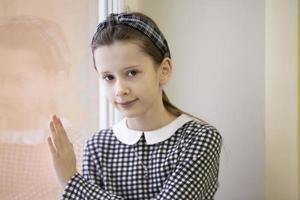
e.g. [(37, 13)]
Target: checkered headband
[(140, 24)]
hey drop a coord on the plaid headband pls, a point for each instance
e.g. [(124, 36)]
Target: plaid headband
[(141, 25)]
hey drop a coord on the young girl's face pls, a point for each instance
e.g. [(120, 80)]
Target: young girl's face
[(129, 77)]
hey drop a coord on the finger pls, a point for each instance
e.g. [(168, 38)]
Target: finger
[(51, 147), (56, 139), (53, 131), (60, 129)]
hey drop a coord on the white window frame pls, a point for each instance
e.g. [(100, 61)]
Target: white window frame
[(108, 115)]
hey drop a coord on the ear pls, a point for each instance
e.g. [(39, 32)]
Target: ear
[(165, 71)]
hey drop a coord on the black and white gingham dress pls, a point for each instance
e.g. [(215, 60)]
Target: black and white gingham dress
[(179, 161)]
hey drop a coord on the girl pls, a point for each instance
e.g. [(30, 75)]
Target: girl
[(157, 151)]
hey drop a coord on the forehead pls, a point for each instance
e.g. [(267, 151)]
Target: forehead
[(19, 60), (120, 55), (24, 54)]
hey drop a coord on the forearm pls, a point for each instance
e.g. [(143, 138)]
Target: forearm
[(80, 188)]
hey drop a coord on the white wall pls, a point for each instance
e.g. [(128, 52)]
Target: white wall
[(281, 100), (218, 53)]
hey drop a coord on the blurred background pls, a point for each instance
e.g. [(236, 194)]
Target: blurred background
[(235, 66)]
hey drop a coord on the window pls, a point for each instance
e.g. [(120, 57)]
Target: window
[(46, 68)]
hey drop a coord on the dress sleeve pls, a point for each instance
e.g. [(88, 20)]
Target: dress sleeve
[(88, 185), (194, 178), (91, 169)]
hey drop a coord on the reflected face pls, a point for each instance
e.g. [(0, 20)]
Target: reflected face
[(24, 86), (128, 75)]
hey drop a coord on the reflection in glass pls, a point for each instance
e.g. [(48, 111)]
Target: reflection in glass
[(33, 60), (34, 71)]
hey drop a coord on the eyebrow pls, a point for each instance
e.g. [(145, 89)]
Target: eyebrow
[(126, 68)]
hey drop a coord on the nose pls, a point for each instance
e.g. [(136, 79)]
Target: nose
[(121, 88)]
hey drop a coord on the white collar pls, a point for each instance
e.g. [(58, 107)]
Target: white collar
[(130, 136)]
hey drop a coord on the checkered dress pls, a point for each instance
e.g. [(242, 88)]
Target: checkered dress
[(185, 166)]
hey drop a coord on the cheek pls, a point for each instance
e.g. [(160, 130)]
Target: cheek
[(30, 98), (148, 91)]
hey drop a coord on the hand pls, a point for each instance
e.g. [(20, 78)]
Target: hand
[(63, 155)]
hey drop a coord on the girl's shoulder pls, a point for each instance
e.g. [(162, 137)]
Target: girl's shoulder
[(199, 138), (99, 138), (196, 129)]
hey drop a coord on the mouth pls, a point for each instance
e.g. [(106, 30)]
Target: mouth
[(126, 102)]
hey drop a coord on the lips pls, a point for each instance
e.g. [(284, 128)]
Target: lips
[(126, 102)]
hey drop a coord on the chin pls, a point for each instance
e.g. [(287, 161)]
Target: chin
[(129, 114)]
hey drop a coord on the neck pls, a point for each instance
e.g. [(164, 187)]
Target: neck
[(151, 121)]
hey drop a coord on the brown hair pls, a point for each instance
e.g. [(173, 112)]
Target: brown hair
[(122, 32)]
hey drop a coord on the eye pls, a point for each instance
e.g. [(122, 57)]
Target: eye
[(107, 77), (132, 72)]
